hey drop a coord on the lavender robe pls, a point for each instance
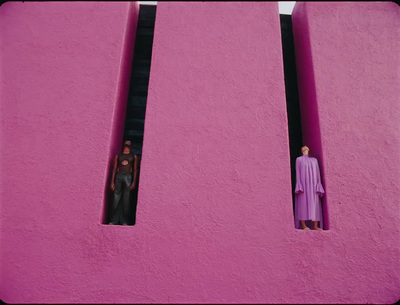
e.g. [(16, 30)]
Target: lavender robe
[(308, 202)]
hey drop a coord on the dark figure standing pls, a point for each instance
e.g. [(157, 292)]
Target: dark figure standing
[(122, 184)]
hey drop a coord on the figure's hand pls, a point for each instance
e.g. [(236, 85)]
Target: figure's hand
[(112, 187), (132, 186)]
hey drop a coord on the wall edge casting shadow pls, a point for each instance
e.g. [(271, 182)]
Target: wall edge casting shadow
[(119, 111), (308, 96)]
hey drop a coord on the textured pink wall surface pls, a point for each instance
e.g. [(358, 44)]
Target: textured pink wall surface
[(348, 67), (65, 71), (215, 194), (214, 220)]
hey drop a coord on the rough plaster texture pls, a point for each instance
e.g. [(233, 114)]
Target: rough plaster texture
[(348, 66), (214, 219), (65, 70), (215, 180)]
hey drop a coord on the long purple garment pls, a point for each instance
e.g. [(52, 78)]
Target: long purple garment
[(308, 202)]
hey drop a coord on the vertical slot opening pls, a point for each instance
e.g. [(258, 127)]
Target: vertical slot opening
[(302, 118), (136, 105), (292, 96)]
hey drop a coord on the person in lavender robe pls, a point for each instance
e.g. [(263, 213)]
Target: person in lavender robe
[(308, 192)]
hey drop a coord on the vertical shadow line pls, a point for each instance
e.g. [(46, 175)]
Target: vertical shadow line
[(119, 113), (138, 92), (292, 96), (308, 95)]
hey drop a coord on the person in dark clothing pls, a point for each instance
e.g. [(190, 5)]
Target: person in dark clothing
[(122, 182)]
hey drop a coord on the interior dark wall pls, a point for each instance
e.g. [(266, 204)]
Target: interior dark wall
[(292, 94)]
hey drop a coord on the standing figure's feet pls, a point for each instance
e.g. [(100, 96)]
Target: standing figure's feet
[(306, 228)]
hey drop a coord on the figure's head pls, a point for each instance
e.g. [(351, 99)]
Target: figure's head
[(127, 144), (305, 150)]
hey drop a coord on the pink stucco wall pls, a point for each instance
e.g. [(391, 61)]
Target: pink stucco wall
[(215, 180), (348, 67), (214, 219), (65, 69)]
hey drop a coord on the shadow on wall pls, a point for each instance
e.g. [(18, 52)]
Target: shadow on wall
[(308, 106), (136, 106)]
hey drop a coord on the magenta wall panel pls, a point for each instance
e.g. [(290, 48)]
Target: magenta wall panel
[(65, 70), (214, 217), (215, 186), (348, 67)]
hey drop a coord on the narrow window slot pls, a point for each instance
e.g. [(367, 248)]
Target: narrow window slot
[(294, 114), (292, 95), (137, 97)]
